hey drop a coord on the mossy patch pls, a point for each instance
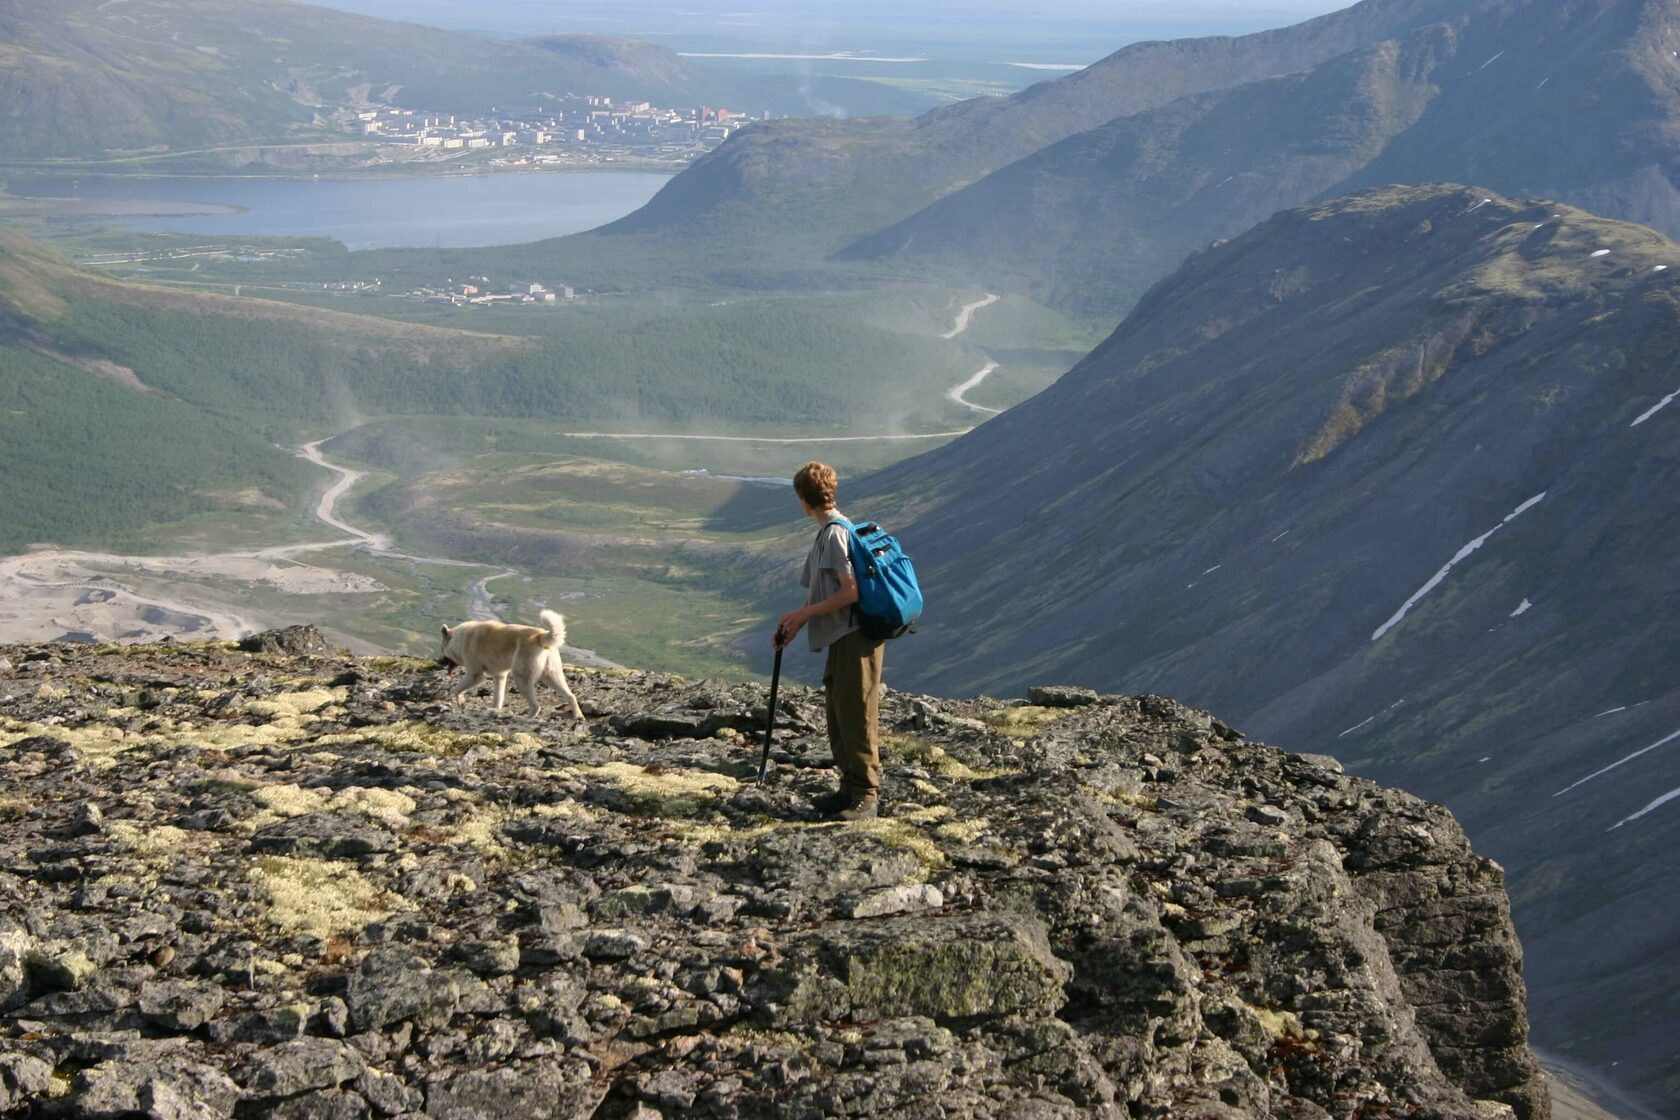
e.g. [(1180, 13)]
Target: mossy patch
[(384, 805), (95, 742), (962, 832), (295, 704), (1276, 1023), (282, 802), (930, 815), (665, 792), (103, 749), (935, 758), (481, 831), (319, 896), (742, 1038), (398, 664), (285, 801), (419, 737), (1024, 721), (154, 841), (899, 833), (697, 833)]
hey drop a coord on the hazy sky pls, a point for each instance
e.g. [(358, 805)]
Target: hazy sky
[(1080, 29)]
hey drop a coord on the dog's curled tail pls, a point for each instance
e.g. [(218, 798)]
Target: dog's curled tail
[(556, 629)]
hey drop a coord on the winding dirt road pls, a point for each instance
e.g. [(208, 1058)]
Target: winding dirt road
[(326, 508), (956, 393), (967, 313), (50, 593)]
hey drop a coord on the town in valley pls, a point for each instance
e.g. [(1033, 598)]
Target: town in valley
[(572, 130)]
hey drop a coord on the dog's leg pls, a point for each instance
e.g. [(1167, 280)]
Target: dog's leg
[(557, 678), (501, 690), (526, 683), (467, 685)]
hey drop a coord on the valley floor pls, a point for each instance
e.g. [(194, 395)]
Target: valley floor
[(642, 500)]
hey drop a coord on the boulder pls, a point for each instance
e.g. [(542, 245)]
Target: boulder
[(176, 1090), (394, 984), (290, 640), (1061, 696), (297, 1067), (531, 1091), (956, 967), (178, 1005)]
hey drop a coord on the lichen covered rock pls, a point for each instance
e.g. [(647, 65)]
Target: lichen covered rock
[(316, 889)]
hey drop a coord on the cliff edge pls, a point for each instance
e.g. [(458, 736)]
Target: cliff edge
[(299, 885)]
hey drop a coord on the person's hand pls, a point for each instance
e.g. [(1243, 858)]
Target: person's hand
[(792, 622)]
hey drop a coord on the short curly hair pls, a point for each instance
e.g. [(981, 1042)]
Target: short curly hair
[(817, 485)]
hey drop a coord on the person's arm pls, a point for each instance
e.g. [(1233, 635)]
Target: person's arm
[(794, 621)]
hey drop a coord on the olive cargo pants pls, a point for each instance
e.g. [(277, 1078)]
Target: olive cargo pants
[(852, 686)]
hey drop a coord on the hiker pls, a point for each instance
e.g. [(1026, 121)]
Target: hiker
[(852, 676)]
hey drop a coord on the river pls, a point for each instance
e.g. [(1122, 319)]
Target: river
[(365, 213)]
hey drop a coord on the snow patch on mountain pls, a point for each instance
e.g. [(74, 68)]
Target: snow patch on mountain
[(1656, 804), (1458, 557), (1624, 759), (1654, 409)]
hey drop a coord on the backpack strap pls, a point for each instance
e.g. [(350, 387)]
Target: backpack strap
[(851, 531), (851, 545)]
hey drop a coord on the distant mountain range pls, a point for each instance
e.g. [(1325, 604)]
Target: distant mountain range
[(1573, 101), (1084, 191), (81, 78), (839, 180), (1391, 478)]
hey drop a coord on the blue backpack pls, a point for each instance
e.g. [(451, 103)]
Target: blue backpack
[(889, 598)]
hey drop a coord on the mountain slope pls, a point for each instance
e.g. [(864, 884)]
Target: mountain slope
[(1579, 101), (844, 179), (81, 77), (1391, 478)]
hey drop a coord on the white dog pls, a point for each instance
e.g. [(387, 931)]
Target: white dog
[(498, 649)]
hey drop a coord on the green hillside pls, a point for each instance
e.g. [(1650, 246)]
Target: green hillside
[(123, 405)]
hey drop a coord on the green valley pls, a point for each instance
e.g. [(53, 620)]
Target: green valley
[(581, 443)]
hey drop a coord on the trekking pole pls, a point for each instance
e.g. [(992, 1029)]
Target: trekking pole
[(770, 723)]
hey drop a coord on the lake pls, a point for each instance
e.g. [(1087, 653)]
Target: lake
[(456, 211)]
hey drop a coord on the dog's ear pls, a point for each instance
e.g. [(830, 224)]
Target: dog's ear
[(446, 633)]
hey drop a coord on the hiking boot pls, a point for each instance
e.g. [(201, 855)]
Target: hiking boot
[(864, 809), (830, 803)]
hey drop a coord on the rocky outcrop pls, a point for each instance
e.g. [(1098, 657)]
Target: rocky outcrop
[(241, 885), (289, 640)]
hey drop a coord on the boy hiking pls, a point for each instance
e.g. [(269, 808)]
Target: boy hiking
[(852, 676)]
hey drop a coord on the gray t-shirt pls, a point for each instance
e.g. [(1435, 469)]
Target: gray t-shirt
[(829, 556)]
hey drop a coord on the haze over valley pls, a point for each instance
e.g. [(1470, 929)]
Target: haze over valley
[(1314, 367)]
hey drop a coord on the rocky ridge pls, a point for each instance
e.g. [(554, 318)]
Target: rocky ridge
[(238, 884)]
